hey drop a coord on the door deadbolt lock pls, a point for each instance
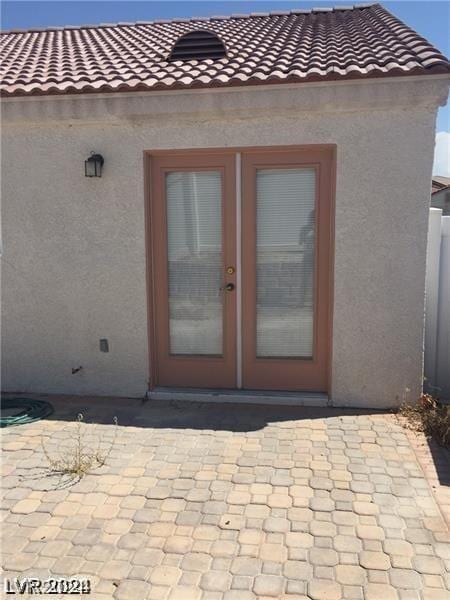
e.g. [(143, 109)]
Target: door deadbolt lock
[(230, 270), (229, 287)]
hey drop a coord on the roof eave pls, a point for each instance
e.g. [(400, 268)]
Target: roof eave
[(178, 86)]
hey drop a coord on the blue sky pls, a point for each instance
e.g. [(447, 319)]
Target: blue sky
[(430, 19)]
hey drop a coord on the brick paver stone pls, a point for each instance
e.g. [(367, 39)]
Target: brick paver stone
[(323, 557), (370, 532), (196, 561), (212, 502), (251, 536), (26, 506), (405, 579), (147, 557), (428, 565), (216, 581), (276, 525), (115, 569), (350, 575), (132, 589), (347, 543), (398, 547), (296, 569), (273, 552), (374, 560), (245, 566), (185, 592), (268, 585), (178, 544), (299, 540), (379, 591), (165, 575), (323, 589)]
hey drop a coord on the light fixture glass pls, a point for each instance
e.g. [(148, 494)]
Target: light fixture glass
[(93, 165)]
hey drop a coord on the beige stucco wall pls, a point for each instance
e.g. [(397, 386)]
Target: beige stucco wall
[(73, 248)]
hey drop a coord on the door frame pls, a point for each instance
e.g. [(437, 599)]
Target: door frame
[(149, 236)]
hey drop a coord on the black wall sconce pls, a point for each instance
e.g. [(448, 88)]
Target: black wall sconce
[(93, 165)]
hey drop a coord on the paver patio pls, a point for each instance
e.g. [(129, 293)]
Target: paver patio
[(226, 502)]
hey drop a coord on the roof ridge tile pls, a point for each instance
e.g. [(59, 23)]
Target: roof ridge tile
[(318, 9)]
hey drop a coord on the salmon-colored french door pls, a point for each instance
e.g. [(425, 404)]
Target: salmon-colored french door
[(286, 220), (252, 311), (193, 235)]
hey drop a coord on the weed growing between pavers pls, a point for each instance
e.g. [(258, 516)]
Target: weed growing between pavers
[(77, 454)]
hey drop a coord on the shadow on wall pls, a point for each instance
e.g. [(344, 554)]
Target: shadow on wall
[(184, 415)]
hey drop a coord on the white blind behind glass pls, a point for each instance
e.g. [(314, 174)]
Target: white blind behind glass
[(194, 230), (285, 243)]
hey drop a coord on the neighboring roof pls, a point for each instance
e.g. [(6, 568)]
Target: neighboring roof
[(283, 46), (439, 183), (437, 187), (441, 199)]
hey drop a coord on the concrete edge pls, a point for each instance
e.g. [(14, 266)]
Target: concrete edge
[(240, 397)]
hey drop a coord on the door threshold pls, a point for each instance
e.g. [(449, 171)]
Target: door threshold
[(319, 399)]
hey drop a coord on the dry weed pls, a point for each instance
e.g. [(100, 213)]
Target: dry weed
[(429, 416), (75, 456)]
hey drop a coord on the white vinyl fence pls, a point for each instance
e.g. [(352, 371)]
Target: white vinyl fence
[(437, 314)]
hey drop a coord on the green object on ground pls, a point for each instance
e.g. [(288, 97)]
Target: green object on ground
[(18, 411)]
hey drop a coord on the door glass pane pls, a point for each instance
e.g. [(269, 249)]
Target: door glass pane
[(285, 242), (194, 223)]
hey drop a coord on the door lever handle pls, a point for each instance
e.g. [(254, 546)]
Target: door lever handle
[(229, 287)]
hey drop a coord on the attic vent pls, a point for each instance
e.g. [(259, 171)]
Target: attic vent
[(198, 45)]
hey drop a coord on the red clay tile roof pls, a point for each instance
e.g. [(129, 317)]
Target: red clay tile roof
[(295, 46)]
